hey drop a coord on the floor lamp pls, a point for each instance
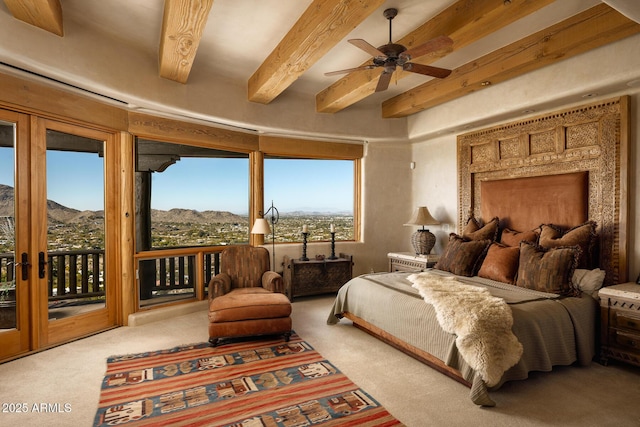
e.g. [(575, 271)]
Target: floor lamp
[(261, 226)]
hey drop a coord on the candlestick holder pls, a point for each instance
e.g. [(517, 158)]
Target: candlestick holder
[(333, 246), (304, 247)]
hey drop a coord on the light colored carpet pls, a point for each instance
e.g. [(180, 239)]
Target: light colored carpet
[(414, 393)]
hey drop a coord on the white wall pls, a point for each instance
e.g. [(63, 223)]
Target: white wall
[(609, 71), (435, 185)]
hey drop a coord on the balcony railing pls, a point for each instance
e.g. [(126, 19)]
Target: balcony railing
[(176, 272), (71, 274), (80, 274)]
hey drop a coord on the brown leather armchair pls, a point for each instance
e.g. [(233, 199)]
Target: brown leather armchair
[(246, 298)]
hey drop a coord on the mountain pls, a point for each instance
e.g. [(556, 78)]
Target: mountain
[(316, 213), (196, 217), (59, 213)]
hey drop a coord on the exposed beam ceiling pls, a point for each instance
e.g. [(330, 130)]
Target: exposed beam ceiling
[(307, 38), (45, 14), (182, 26), (322, 26), (593, 28), (465, 21)]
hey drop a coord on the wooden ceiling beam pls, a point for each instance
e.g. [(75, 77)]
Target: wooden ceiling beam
[(321, 27), (45, 14), (466, 21), (588, 30), (182, 27)]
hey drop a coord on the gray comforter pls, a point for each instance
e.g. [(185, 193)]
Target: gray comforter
[(553, 330)]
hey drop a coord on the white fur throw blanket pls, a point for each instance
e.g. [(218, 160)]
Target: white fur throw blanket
[(481, 322)]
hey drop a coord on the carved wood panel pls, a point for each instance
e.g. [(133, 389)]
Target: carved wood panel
[(591, 138)]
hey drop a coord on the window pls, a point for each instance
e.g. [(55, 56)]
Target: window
[(190, 196), (317, 193)]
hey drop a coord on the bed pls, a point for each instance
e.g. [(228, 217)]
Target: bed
[(547, 194), (389, 307)]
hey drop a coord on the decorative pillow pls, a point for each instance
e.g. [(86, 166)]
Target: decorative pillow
[(588, 281), (547, 270), (473, 231), (501, 263), (513, 238), (582, 235), (462, 256)]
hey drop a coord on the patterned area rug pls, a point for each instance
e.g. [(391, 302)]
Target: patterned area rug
[(252, 383)]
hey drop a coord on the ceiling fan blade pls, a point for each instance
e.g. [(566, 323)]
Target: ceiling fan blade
[(383, 81), (364, 45), (427, 70), (349, 70), (432, 45)]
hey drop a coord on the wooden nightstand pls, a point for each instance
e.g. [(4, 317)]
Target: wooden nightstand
[(620, 315), (302, 278), (407, 261)]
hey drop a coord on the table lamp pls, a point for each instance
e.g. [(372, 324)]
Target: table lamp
[(422, 240)]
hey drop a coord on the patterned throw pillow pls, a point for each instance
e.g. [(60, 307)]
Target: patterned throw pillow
[(547, 270), (462, 256), (501, 263), (473, 230), (582, 235), (513, 238)]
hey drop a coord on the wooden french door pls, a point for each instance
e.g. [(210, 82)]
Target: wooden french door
[(64, 200)]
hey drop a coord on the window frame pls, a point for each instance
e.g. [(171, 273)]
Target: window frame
[(295, 148)]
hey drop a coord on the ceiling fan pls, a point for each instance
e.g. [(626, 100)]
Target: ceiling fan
[(393, 55)]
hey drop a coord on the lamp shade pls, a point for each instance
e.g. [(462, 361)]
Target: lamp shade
[(261, 226), (422, 217)]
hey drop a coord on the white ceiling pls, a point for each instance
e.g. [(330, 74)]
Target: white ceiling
[(240, 34)]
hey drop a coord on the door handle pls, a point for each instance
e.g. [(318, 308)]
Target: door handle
[(41, 265), (24, 263)]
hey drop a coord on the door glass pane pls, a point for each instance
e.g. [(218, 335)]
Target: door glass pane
[(7, 223), (76, 226)]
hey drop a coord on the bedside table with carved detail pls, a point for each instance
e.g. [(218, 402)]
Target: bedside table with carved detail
[(620, 323), (315, 277), (408, 261)]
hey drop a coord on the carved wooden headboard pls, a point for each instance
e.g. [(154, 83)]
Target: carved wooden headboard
[(579, 150)]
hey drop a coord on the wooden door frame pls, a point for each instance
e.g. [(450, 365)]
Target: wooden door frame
[(17, 341), (45, 332)]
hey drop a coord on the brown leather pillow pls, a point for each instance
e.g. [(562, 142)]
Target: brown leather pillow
[(547, 270), (513, 238), (473, 230), (501, 263), (582, 235), (462, 256)]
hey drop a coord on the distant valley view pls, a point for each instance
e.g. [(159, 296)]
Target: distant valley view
[(72, 229)]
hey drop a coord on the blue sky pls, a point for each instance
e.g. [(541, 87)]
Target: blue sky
[(75, 180), (223, 184)]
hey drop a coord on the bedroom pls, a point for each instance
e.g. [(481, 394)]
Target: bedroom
[(430, 138)]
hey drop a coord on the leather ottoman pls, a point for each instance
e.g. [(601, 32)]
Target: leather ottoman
[(249, 312)]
